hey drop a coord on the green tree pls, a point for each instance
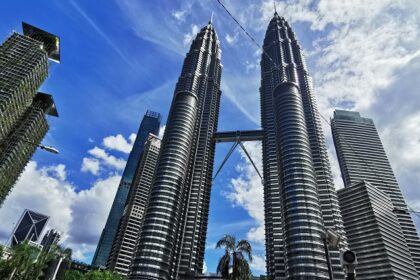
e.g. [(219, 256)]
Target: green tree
[(73, 275), (233, 265), (92, 275)]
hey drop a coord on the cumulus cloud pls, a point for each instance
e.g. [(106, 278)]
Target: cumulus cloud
[(119, 143), (258, 264), (107, 159), (90, 165), (247, 191), (78, 216)]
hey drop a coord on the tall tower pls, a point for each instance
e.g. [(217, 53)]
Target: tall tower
[(23, 121), (128, 230), (149, 124), (172, 238), (299, 196), (362, 157)]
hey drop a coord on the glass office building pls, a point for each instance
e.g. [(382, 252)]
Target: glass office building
[(149, 124)]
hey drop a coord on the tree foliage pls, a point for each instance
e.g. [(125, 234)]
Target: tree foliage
[(92, 275), (27, 262), (233, 265)]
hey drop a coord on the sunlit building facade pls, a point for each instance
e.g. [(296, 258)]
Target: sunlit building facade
[(362, 157), (130, 224), (149, 124), (23, 111)]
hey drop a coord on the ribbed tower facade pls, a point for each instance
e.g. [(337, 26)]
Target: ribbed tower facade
[(299, 196), (128, 230), (374, 233), (172, 239), (362, 157), (23, 120), (149, 124)]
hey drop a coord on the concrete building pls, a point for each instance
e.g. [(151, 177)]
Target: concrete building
[(130, 224), (363, 158), (23, 111), (374, 233)]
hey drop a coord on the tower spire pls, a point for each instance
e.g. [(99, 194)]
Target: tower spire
[(211, 18), (275, 9)]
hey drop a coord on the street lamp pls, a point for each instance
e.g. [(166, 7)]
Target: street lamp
[(49, 149), (43, 147)]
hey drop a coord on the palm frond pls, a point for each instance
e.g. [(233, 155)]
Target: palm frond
[(245, 248), (228, 241)]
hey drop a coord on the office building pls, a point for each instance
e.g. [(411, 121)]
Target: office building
[(130, 224), (29, 227), (299, 196), (374, 233), (362, 158), (23, 121), (149, 124), (172, 238)]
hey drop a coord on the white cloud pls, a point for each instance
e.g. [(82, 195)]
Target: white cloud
[(179, 15), (161, 131), (119, 143), (78, 216), (258, 264), (204, 267), (231, 39), (189, 37), (132, 138), (107, 159), (247, 191), (90, 165)]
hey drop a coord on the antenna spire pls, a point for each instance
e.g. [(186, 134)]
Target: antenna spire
[(211, 18), (275, 9)]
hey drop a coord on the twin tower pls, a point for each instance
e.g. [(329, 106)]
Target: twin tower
[(299, 197)]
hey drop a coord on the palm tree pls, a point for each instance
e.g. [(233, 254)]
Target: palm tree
[(233, 265)]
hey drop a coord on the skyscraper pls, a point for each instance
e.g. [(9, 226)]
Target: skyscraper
[(149, 124), (299, 196), (30, 227), (362, 157), (374, 233), (130, 224), (172, 239), (23, 122)]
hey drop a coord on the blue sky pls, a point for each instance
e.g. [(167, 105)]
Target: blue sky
[(120, 58)]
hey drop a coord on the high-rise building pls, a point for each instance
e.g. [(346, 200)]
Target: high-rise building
[(52, 237), (23, 122), (362, 157), (149, 124), (301, 203), (128, 230), (30, 227), (299, 196), (374, 233), (172, 238)]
